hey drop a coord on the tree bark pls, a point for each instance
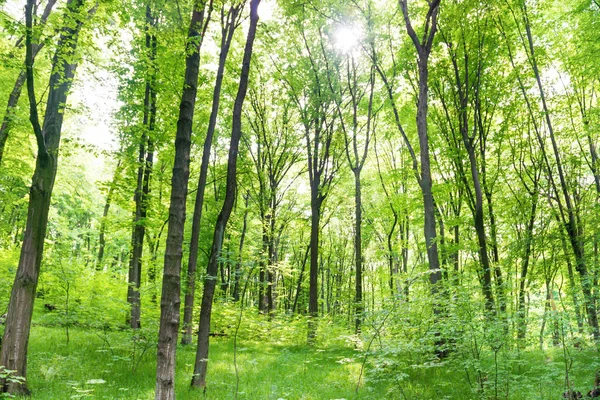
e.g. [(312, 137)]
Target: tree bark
[(200, 367), (145, 161), (238, 266), (170, 300), (423, 49), (20, 309), (227, 32)]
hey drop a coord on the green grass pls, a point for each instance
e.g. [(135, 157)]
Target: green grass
[(266, 371), (289, 371)]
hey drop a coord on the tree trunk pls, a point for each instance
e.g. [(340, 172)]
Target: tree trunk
[(170, 300), (20, 309), (358, 257), (238, 266), (571, 225), (226, 36), (145, 161), (200, 367), (313, 290)]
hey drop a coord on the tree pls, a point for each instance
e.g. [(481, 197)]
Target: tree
[(200, 366), (145, 161), (355, 155), (170, 299), (229, 22), (20, 309)]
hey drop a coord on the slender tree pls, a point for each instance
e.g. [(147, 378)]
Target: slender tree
[(145, 161), (229, 23), (170, 300), (423, 47), (200, 367), (47, 134)]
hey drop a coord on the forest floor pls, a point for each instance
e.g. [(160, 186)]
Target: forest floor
[(117, 365)]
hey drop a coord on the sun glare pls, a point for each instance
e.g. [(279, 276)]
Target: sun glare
[(266, 10), (347, 38)]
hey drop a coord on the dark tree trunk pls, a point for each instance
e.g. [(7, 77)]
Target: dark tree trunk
[(145, 161), (358, 256), (227, 32), (423, 50), (313, 290), (170, 300), (200, 367), (20, 309), (430, 229), (238, 266)]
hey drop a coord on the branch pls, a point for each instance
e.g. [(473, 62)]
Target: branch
[(33, 111)]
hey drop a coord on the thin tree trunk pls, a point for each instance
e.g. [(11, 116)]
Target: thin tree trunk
[(145, 161), (227, 32), (238, 266), (522, 317), (170, 300), (200, 367)]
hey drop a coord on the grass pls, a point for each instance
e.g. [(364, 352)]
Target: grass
[(266, 371), (117, 365)]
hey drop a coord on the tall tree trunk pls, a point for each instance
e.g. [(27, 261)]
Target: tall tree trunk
[(423, 49), (145, 161), (170, 300), (20, 309), (238, 265), (358, 256), (200, 367), (227, 32), (521, 314), (313, 290)]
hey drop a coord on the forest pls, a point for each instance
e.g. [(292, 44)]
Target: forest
[(299, 199)]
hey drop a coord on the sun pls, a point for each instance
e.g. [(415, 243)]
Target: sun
[(347, 38)]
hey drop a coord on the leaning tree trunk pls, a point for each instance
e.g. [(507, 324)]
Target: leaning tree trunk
[(170, 300), (20, 308), (200, 367), (188, 310)]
